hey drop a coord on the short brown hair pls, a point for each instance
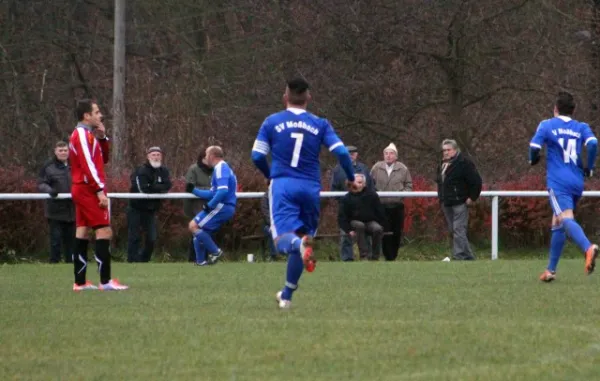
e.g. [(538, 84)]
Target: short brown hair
[(61, 144), (216, 151)]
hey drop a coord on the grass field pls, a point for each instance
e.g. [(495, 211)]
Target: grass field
[(478, 320)]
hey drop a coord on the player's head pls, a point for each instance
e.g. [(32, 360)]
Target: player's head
[(214, 154), (154, 156), (88, 112), (297, 93), (449, 149), (565, 104), (360, 182), (390, 154), (61, 151)]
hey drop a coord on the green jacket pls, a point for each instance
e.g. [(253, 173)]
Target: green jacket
[(201, 178)]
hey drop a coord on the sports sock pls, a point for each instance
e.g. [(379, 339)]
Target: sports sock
[(295, 266), (557, 242), (103, 259), (288, 243), (199, 249), (80, 258), (575, 232), (206, 239)]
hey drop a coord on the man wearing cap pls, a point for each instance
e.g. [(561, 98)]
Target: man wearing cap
[(390, 175), (150, 177), (338, 184)]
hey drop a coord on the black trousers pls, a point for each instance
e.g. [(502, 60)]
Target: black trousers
[(395, 221), (139, 221), (62, 235)]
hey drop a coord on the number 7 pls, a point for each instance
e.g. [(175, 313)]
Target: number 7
[(297, 147)]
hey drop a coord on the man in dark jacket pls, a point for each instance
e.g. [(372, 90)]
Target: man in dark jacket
[(459, 185), (338, 184), (55, 178), (361, 213), (151, 177)]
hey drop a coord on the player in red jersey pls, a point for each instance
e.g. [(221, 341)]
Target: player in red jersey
[(89, 149)]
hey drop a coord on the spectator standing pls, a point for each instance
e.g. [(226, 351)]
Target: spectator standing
[(55, 178), (459, 185), (390, 175), (198, 174), (151, 177), (338, 184), (361, 213)]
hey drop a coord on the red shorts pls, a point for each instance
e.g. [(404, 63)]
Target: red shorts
[(88, 212)]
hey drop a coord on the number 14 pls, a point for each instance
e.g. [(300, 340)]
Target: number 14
[(570, 151)]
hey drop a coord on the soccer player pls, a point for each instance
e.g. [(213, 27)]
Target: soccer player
[(89, 150), (219, 209), (294, 138), (564, 138)]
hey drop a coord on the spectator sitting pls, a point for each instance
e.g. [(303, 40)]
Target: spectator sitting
[(361, 213)]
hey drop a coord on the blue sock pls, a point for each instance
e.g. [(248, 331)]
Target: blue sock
[(199, 249), (575, 232), (290, 244), (208, 242), (557, 242)]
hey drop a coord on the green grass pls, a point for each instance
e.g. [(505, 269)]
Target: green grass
[(406, 320)]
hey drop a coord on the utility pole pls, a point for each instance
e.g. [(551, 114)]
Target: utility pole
[(119, 125)]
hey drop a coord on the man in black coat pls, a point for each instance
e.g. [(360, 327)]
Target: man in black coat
[(361, 213), (151, 177), (55, 178), (459, 185)]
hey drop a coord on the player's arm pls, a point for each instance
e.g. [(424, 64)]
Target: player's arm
[(85, 160), (335, 145), (100, 134), (222, 179), (591, 146), (535, 145), (261, 149)]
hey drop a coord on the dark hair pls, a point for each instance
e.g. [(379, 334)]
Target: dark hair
[(60, 144), (84, 106), (201, 155), (297, 91), (565, 104)]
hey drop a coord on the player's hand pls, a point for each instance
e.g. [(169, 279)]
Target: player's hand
[(588, 172), (53, 193), (189, 187), (103, 200), (100, 131), (350, 185)]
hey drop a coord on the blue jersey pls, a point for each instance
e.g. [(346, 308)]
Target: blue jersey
[(564, 138), (294, 137), (224, 178)]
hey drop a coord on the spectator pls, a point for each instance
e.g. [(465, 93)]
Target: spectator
[(198, 174), (151, 177), (361, 213), (459, 185), (338, 184), (55, 178), (390, 175), (266, 212)]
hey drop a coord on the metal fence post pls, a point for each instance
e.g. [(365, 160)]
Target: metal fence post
[(495, 218)]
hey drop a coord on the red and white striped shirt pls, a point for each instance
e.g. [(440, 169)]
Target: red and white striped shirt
[(87, 156)]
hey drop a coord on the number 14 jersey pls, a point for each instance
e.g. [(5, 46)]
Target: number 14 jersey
[(564, 138), (294, 137)]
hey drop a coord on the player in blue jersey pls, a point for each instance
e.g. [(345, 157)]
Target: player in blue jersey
[(294, 138), (219, 209), (564, 138)]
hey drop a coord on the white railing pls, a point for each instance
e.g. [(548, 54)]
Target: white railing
[(495, 195)]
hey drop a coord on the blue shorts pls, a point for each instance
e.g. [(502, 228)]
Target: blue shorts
[(294, 205), (561, 201), (213, 220)]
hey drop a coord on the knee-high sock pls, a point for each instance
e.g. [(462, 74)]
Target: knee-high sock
[(208, 242), (199, 249), (557, 242), (290, 244), (103, 259), (575, 232), (80, 259)]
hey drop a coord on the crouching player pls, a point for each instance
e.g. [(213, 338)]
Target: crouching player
[(294, 138), (565, 138), (219, 209)]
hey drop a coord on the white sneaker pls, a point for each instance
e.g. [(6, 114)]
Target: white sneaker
[(283, 304), (84, 287), (112, 285), (447, 259)]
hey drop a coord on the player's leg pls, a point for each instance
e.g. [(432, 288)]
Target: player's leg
[(80, 256), (557, 243), (210, 224), (199, 248)]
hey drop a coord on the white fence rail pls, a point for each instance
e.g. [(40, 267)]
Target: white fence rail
[(495, 195)]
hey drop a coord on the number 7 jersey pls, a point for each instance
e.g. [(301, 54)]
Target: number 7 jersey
[(294, 137), (564, 138)]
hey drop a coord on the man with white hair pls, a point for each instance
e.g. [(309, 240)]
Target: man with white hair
[(390, 175), (150, 177)]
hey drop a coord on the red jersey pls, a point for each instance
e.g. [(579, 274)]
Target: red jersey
[(87, 156)]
